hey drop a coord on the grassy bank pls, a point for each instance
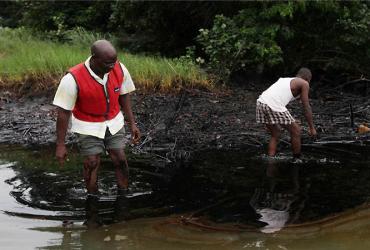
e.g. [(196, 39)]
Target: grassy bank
[(28, 63)]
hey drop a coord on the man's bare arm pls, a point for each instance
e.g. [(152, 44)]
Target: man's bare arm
[(62, 126), (305, 88), (125, 102)]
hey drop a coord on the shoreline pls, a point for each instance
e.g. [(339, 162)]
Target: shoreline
[(176, 125)]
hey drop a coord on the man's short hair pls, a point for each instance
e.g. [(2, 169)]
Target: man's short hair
[(304, 73)]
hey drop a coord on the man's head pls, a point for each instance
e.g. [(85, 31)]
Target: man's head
[(305, 74), (103, 56)]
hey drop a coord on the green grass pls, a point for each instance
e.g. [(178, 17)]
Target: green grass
[(26, 58)]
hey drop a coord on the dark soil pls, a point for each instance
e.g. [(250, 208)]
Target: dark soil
[(175, 125), (183, 127)]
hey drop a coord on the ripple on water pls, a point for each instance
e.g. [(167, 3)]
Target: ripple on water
[(245, 191)]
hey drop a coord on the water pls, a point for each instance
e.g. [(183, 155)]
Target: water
[(221, 200)]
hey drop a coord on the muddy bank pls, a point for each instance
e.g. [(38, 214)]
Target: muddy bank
[(225, 179), (174, 126)]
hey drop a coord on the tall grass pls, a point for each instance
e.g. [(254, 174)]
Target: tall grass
[(23, 55), (25, 58)]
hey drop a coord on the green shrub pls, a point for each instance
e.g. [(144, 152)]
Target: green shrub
[(329, 36), (238, 44)]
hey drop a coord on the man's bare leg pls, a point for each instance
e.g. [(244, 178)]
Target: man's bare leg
[(120, 163), (90, 173), (295, 137), (275, 131)]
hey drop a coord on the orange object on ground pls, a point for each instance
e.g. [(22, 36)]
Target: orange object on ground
[(362, 129)]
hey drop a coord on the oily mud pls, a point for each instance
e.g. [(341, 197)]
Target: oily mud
[(175, 126), (201, 154)]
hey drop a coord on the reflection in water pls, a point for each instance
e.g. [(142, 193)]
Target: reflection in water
[(223, 200), (348, 230), (282, 200), (223, 187)]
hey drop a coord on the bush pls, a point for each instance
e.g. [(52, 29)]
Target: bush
[(282, 36), (237, 43)]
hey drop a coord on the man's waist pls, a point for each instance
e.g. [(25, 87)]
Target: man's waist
[(95, 117), (97, 128), (275, 106)]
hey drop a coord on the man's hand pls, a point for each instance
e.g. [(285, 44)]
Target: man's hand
[(61, 154), (135, 134), (312, 132)]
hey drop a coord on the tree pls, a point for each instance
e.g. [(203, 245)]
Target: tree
[(280, 37)]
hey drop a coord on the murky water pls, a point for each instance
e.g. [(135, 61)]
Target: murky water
[(221, 200)]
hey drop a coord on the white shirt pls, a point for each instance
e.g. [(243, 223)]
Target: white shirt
[(275, 219), (278, 95), (66, 96)]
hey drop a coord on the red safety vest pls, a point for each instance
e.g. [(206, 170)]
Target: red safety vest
[(93, 104)]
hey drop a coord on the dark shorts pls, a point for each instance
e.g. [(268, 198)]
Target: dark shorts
[(265, 115), (91, 145)]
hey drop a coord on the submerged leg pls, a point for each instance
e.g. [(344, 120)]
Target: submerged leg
[(92, 212)]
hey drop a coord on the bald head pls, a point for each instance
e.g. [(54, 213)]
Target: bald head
[(103, 57), (103, 48), (305, 74)]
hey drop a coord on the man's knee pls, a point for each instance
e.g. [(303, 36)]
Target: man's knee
[(276, 133), (274, 130), (118, 158), (92, 163), (121, 163), (295, 130)]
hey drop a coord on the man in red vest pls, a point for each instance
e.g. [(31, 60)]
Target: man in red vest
[(92, 94)]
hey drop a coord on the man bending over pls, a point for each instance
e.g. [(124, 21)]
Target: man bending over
[(271, 110)]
